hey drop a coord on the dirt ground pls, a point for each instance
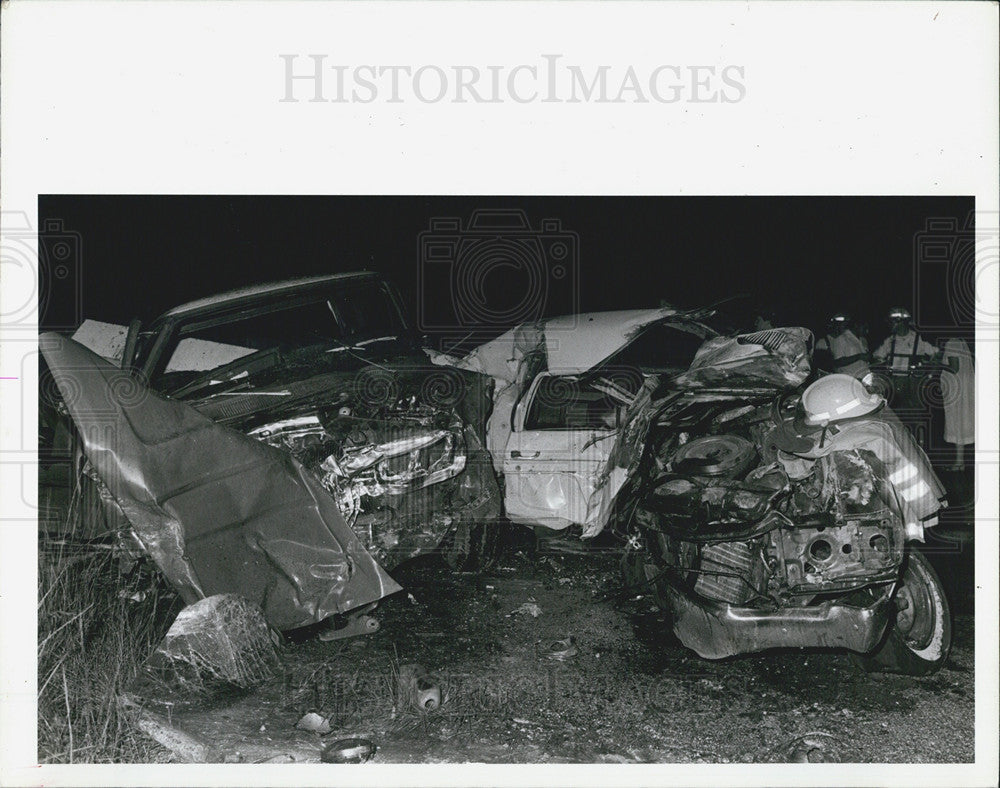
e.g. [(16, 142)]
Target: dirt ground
[(632, 693)]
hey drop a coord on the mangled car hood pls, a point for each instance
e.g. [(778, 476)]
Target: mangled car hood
[(759, 363), (216, 510), (777, 358)]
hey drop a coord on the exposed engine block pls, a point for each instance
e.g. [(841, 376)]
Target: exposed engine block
[(831, 530)]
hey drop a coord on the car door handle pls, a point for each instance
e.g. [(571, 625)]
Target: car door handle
[(515, 454)]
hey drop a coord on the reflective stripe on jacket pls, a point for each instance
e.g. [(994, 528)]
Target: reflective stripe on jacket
[(920, 492)]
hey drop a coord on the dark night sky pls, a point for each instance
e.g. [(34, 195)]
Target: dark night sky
[(138, 256)]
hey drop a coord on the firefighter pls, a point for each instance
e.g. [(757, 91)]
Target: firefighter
[(904, 352), (904, 348), (839, 413), (908, 360), (848, 351)]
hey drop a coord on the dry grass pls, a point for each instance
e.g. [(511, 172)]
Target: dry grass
[(97, 623)]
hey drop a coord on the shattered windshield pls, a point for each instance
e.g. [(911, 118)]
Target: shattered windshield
[(217, 349)]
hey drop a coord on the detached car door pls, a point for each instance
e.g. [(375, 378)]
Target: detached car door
[(556, 455)]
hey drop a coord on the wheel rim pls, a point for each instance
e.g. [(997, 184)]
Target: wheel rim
[(920, 611)]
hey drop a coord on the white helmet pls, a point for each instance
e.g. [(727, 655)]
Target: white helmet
[(899, 314), (838, 397)]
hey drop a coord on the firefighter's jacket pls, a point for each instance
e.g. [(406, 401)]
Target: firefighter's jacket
[(845, 345), (920, 492), (902, 353)]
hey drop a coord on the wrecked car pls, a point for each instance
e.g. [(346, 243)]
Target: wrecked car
[(563, 391), (288, 442), (650, 424)]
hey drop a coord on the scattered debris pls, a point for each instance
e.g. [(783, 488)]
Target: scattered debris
[(314, 722), (417, 688), (348, 751), (185, 746), (282, 758), (356, 625), (218, 645), (530, 608), (812, 747), (562, 650)]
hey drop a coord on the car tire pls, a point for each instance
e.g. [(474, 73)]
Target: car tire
[(918, 638)]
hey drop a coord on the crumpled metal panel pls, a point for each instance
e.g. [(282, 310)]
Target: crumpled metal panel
[(779, 357), (217, 511), (570, 345), (558, 500)]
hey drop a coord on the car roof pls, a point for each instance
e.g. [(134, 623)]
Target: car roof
[(267, 288), (577, 343), (573, 344)]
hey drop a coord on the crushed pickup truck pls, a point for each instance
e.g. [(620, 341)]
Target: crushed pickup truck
[(290, 443)]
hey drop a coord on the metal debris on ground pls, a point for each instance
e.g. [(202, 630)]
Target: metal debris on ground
[(417, 688), (530, 608), (184, 746), (356, 625), (348, 751), (812, 747), (314, 722), (562, 650), (281, 758)]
